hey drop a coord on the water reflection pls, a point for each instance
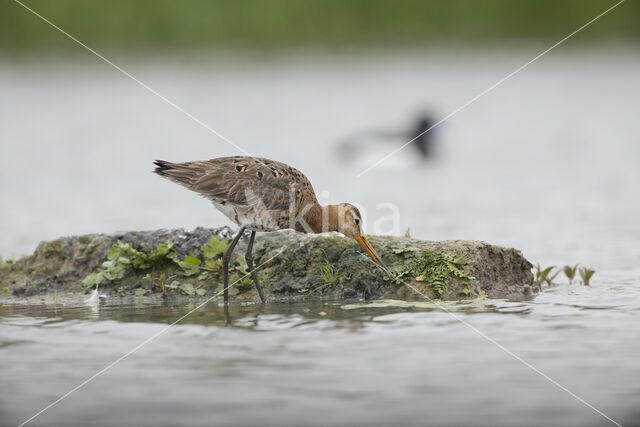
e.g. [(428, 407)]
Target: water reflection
[(378, 362), (245, 315), (256, 316)]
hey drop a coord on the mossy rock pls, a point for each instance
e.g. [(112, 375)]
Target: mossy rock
[(291, 267)]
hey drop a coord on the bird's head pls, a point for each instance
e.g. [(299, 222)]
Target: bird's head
[(350, 224)]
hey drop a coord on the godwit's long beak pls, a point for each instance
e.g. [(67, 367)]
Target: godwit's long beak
[(362, 240)]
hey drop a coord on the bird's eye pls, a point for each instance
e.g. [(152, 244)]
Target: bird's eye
[(357, 221)]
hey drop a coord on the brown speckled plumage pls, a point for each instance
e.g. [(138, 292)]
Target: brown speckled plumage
[(252, 187), (263, 195)]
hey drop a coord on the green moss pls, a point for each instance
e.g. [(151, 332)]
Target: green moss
[(48, 257), (51, 248), (438, 270)]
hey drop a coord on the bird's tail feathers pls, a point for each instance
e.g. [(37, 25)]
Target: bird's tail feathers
[(162, 166)]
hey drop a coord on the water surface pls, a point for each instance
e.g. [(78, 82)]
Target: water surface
[(546, 163), (325, 363)]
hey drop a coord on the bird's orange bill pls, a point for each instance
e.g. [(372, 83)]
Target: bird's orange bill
[(362, 240)]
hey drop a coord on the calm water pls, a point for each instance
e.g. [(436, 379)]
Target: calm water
[(547, 163), (319, 364)]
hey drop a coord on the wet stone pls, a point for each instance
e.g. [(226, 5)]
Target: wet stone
[(292, 266)]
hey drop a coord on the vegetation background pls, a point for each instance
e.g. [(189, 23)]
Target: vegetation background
[(286, 24)]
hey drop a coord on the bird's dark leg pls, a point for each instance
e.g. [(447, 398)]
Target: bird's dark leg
[(254, 274), (225, 263), (227, 316)]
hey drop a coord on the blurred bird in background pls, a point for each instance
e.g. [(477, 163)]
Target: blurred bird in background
[(366, 149)]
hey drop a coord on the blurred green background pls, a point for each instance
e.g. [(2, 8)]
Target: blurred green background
[(291, 24)]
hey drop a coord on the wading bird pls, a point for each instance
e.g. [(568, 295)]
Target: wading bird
[(366, 149), (263, 195)]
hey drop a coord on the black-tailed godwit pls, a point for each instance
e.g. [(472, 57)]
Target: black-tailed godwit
[(263, 195)]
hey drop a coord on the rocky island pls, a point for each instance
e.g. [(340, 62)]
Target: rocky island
[(172, 263)]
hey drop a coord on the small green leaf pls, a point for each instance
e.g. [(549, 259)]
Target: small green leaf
[(190, 265), (93, 279), (242, 266), (115, 250), (213, 264), (187, 288), (192, 260), (547, 270), (173, 285), (162, 249), (216, 247), (140, 292)]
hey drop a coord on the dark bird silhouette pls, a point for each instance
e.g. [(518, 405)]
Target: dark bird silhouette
[(369, 148)]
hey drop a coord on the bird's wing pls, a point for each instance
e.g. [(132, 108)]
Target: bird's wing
[(243, 181)]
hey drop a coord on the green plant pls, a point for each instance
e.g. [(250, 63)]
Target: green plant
[(328, 273), (185, 287), (241, 273), (570, 272), (551, 277), (159, 282), (216, 247), (436, 270), (190, 265), (213, 254), (586, 274), (407, 233), (543, 275), (123, 257)]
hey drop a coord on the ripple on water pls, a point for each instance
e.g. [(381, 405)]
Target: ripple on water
[(355, 358)]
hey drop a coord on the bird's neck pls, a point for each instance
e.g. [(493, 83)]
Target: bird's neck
[(320, 219)]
